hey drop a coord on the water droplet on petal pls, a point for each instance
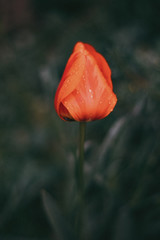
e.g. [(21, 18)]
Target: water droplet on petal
[(91, 92), (77, 92)]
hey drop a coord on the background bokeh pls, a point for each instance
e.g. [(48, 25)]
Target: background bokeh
[(38, 150)]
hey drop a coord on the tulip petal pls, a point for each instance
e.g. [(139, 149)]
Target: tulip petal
[(64, 113), (71, 77), (93, 98), (85, 92), (103, 65)]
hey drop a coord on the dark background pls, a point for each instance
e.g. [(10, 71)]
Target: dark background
[(37, 149)]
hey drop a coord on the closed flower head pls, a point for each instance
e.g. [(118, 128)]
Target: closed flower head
[(85, 92)]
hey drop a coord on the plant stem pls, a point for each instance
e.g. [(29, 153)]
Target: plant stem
[(80, 180)]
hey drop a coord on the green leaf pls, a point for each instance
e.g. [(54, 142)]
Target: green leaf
[(124, 226), (62, 228)]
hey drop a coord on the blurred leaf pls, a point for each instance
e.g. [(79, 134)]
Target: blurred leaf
[(57, 220), (124, 229)]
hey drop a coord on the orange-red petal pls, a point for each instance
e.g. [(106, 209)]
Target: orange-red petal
[(101, 62), (93, 98), (85, 91), (71, 77)]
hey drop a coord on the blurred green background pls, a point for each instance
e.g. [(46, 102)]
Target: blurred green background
[(38, 150)]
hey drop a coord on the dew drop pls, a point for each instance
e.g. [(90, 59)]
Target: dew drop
[(67, 81), (77, 92), (90, 90)]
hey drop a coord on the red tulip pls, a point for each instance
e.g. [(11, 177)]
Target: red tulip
[(85, 92)]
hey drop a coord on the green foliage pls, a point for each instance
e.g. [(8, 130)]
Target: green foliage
[(62, 228), (38, 150)]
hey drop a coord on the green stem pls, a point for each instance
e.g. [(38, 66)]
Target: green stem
[(80, 180)]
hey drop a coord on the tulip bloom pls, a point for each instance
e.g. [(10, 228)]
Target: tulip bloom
[(85, 92)]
